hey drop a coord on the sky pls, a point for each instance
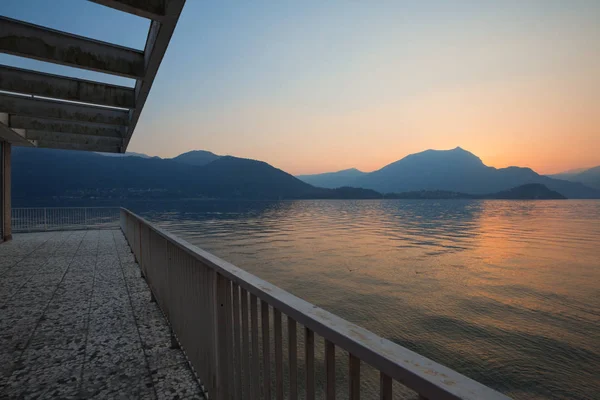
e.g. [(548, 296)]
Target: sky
[(316, 86)]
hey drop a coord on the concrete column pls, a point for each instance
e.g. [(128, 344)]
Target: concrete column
[(6, 182)]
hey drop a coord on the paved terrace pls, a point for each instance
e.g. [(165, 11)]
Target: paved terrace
[(76, 321)]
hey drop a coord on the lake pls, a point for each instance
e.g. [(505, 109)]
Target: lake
[(505, 292)]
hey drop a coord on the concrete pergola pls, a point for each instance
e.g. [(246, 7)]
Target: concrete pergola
[(44, 110)]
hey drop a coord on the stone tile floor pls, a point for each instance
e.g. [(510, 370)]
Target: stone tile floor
[(76, 322)]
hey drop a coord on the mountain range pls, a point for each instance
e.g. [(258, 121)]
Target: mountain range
[(455, 170), (589, 176), (62, 174)]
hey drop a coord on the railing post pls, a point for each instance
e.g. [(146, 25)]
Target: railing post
[(174, 341), (354, 377), (293, 358), (222, 347), (309, 359), (139, 260), (85, 218), (45, 219), (385, 387)]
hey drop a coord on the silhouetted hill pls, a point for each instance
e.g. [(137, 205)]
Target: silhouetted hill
[(196, 157), (589, 177), (345, 193), (430, 195), (458, 170), (332, 180), (60, 174), (243, 178), (532, 191), (45, 173)]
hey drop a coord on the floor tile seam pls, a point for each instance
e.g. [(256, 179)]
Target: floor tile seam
[(43, 313), (135, 319), (175, 364), (48, 303), (114, 394), (32, 276), (197, 381), (27, 255), (87, 322)]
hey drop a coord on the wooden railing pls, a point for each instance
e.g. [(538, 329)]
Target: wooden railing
[(232, 328)]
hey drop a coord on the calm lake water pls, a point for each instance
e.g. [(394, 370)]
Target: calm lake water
[(505, 292)]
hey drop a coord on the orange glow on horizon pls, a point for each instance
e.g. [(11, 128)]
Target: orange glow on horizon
[(514, 85)]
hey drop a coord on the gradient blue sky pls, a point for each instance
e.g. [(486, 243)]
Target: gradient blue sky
[(315, 86)]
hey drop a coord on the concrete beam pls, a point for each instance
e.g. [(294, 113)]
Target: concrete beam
[(5, 207), (36, 107), (158, 40), (151, 9), (71, 138), (40, 43), (13, 136), (24, 81), (80, 147), (60, 126)]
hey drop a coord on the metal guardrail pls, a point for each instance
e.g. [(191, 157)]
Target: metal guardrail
[(64, 218), (222, 316)]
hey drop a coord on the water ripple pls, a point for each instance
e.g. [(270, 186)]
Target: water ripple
[(506, 292)]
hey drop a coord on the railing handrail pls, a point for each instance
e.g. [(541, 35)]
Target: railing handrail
[(428, 378), (37, 219), (65, 208)]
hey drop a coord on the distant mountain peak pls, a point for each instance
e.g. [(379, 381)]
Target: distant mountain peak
[(197, 157), (353, 170), (441, 158), (198, 152)]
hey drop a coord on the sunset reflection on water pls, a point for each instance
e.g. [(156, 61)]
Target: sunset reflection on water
[(506, 292)]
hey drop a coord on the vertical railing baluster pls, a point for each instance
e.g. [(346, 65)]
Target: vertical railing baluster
[(212, 336), (354, 377), (278, 354), (385, 383), (255, 357), (206, 342), (264, 315), (309, 359), (293, 359), (330, 369), (222, 335), (229, 337), (245, 346), (236, 342)]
